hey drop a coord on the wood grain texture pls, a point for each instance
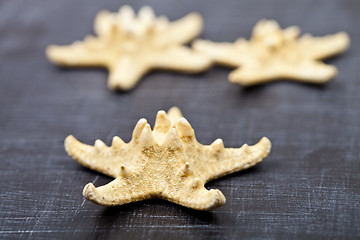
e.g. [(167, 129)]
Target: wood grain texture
[(307, 188)]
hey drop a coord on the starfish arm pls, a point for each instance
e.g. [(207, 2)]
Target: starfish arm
[(181, 59), (305, 71), (251, 75), (118, 192), (235, 159), (324, 47), (222, 53), (126, 72), (310, 72), (198, 197), (76, 54), (100, 157), (183, 30)]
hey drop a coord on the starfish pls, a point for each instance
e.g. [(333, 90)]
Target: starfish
[(166, 162), (273, 53), (129, 46)]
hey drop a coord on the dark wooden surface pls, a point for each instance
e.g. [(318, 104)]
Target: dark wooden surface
[(307, 188)]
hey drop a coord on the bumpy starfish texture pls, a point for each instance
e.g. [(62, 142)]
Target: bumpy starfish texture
[(166, 162), (273, 53), (130, 46)]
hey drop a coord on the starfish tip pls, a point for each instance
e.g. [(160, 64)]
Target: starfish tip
[(68, 140), (263, 147), (69, 144), (52, 53), (89, 191), (218, 199)]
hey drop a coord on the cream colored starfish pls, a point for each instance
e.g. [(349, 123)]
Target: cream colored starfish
[(273, 53), (166, 163), (130, 46)]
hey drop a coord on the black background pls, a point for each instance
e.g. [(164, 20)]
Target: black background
[(307, 188)]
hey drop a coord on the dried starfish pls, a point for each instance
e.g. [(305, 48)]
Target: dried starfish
[(166, 163), (273, 53), (130, 45)]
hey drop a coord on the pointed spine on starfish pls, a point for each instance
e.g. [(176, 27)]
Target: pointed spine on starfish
[(174, 114), (162, 122), (197, 183), (138, 130), (146, 139), (127, 23), (117, 142), (186, 132), (185, 170), (217, 145), (172, 140), (124, 171), (99, 145)]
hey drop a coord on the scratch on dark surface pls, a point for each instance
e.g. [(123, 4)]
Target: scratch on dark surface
[(77, 210), (48, 203)]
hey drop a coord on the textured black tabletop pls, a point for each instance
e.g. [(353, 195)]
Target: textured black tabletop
[(307, 188)]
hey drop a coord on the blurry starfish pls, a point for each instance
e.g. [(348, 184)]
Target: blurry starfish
[(129, 46), (273, 53), (166, 162)]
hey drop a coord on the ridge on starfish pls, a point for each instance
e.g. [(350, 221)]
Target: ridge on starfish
[(166, 162), (129, 46), (273, 53)]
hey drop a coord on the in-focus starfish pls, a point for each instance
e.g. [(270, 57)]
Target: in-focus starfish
[(166, 163), (130, 46), (273, 53)]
